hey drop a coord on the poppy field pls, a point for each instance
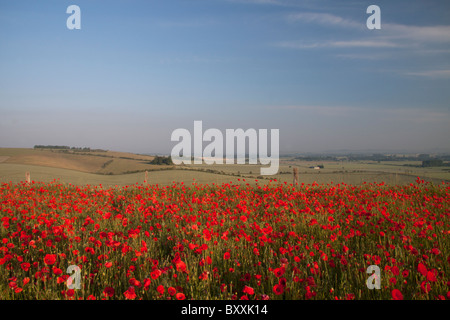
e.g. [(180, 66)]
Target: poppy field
[(230, 242)]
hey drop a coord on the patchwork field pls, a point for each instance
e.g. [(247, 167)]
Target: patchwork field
[(111, 168)]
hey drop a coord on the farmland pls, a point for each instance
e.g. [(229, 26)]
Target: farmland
[(219, 232), (227, 241), (111, 168)]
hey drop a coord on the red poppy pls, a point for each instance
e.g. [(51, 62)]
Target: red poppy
[(431, 276), (425, 287), (278, 289), (50, 259), (395, 271), (172, 291), (25, 266), (180, 296), (279, 272), (181, 266), (134, 282), (397, 295), (248, 290), (70, 292), (422, 269), (155, 274), (160, 289), (108, 292), (226, 255), (130, 294)]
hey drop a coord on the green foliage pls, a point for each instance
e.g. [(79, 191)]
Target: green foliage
[(432, 163), (162, 160)]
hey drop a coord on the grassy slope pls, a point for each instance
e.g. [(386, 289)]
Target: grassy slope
[(90, 162), (108, 168)]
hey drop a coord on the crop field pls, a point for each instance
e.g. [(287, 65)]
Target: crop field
[(259, 241), (112, 168)]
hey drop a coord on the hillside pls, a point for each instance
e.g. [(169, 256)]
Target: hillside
[(108, 162), (119, 168)]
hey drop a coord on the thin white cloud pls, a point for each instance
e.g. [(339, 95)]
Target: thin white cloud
[(322, 19), (364, 56), (439, 34), (376, 43), (391, 35), (430, 73)]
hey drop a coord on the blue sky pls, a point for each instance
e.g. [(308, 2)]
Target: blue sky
[(137, 70)]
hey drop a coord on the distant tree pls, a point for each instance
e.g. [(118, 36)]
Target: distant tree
[(432, 163), (162, 160)]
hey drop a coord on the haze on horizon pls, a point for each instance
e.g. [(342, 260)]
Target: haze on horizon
[(137, 70)]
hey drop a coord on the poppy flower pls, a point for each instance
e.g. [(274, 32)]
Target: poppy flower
[(226, 255), (130, 294), (180, 296), (181, 266), (108, 292), (172, 291), (425, 287), (160, 289), (155, 274), (422, 269), (50, 259), (431, 276), (25, 266), (134, 282), (279, 272), (278, 289), (248, 290), (397, 295)]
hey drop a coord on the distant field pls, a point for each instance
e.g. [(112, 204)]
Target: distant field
[(109, 162), (118, 168), (16, 173)]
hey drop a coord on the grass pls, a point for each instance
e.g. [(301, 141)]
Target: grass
[(119, 168), (16, 173)]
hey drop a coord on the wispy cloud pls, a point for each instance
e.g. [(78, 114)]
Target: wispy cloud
[(376, 43), (391, 36), (430, 73), (426, 34), (364, 56), (322, 19)]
